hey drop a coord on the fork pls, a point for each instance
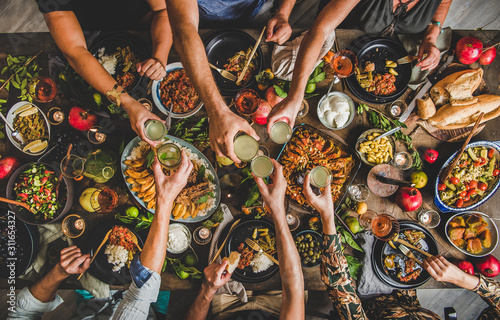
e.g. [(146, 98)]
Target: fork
[(409, 58), (256, 247), (407, 252), (226, 74)]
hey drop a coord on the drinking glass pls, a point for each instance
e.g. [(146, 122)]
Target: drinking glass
[(104, 200), (73, 226), (245, 146), (343, 64), (359, 192), (280, 132), (42, 89), (169, 155), (73, 166), (383, 226), (155, 130), (320, 176), (262, 166), (100, 166)]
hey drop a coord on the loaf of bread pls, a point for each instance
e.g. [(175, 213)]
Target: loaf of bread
[(425, 108), (233, 260), (458, 86), (464, 113)]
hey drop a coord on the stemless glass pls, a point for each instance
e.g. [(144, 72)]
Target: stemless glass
[(245, 146), (262, 166), (320, 176), (280, 132), (343, 64), (42, 89), (359, 192), (383, 226), (104, 200), (73, 226)]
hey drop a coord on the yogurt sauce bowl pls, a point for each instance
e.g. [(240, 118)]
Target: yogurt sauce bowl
[(339, 113), (179, 238)]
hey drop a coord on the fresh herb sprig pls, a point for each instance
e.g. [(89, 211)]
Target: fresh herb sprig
[(378, 120), (181, 270), (21, 71), (192, 132)]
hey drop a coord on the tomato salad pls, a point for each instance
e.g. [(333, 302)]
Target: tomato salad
[(475, 173), (36, 187), (177, 89)]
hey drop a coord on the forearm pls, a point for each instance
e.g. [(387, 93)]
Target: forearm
[(328, 222), (488, 289), (154, 251), (45, 289), (199, 308), (432, 32), (161, 34)]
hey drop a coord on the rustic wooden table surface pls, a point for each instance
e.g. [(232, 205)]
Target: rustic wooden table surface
[(31, 43)]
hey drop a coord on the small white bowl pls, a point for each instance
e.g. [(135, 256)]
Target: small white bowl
[(11, 115), (182, 228), (352, 110)]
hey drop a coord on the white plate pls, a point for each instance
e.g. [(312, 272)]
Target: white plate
[(155, 92), (10, 118)]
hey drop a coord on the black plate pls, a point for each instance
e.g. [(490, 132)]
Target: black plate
[(110, 42), (378, 50), (26, 238), (222, 46), (242, 231), (382, 248), (100, 267)]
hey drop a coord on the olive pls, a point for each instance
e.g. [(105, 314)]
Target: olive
[(307, 259), (304, 254), (311, 253), (313, 261), (308, 236)]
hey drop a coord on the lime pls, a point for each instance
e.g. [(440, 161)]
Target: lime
[(419, 178), (224, 161), (353, 224), (108, 172), (190, 259), (97, 98), (132, 212), (311, 86), (182, 274)]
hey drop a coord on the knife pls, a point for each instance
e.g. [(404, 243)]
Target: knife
[(425, 88), (395, 182)]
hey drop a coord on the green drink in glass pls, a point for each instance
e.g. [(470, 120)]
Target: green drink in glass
[(169, 155), (280, 132), (320, 176), (155, 129), (245, 147), (262, 166)]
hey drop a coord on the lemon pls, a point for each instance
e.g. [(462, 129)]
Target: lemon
[(224, 161), (23, 108), (31, 144), (86, 199), (28, 112), (39, 147), (361, 208)]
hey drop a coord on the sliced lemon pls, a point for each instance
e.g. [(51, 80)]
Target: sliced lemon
[(23, 108), (39, 147), (108, 172), (31, 144), (28, 112)]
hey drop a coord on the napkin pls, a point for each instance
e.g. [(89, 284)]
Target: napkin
[(369, 284), (232, 287), (284, 56), (411, 42)]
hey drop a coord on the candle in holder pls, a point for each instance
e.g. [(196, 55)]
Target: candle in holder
[(73, 226), (55, 116), (95, 135), (202, 235), (402, 160), (293, 221), (146, 103), (397, 108)]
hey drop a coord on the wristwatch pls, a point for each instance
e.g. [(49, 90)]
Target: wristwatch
[(437, 24)]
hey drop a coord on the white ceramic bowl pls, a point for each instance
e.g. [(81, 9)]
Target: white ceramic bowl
[(352, 110), (179, 227), (11, 115)]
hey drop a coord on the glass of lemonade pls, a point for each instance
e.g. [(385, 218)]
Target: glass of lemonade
[(262, 166), (245, 147), (155, 129), (280, 132), (169, 155), (320, 176)]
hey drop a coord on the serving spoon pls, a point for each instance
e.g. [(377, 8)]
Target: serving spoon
[(17, 203), (14, 133)]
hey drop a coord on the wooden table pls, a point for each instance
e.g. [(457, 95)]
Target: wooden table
[(30, 43)]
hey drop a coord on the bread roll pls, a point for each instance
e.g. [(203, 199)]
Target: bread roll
[(457, 86), (459, 115), (234, 259), (425, 108)]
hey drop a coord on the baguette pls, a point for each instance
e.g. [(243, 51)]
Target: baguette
[(233, 260), (425, 108), (457, 86), (459, 115)]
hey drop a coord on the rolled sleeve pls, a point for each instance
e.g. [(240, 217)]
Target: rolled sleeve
[(29, 307)]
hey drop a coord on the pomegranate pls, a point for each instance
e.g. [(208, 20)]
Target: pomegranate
[(81, 119), (7, 166), (465, 266), (272, 97), (408, 199), (469, 49), (488, 266), (260, 117), (430, 155), (487, 56)]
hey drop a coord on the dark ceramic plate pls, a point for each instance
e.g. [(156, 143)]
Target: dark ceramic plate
[(26, 244), (242, 231), (378, 50), (382, 248), (222, 46), (100, 267)]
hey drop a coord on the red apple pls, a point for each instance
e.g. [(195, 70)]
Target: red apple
[(7, 166), (487, 56), (260, 117), (272, 97), (469, 49), (81, 119), (408, 199)]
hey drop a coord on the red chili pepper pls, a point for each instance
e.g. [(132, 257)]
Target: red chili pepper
[(491, 152)]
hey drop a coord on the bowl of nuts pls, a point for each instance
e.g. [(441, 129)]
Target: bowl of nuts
[(373, 151)]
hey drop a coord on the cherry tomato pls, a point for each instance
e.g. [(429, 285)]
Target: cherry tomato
[(463, 194), (441, 187), (459, 203), (466, 198), (471, 192), (463, 164), (496, 172), (477, 163), (491, 152), (454, 180), (482, 161), (473, 184), (467, 187), (482, 186)]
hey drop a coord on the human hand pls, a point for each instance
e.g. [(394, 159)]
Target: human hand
[(322, 203), (168, 187), (273, 194), (287, 108), (278, 29), (72, 262), (433, 55), (215, 276), (151, 68), (138, 115), (442, 270), (222, 130)]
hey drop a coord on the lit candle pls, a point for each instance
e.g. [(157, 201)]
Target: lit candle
[(79, 224), (395, 111), (290, 219), (58, 116), (203, 233), (400, 160)]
